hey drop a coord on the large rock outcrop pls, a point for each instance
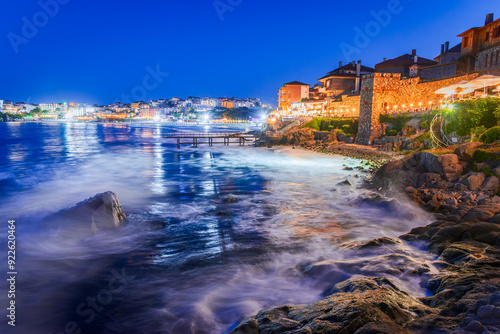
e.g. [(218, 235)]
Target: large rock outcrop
[(297, 136), (359, 305), (101, 212)]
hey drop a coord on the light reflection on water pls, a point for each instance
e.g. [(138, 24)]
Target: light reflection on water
[(199, 265)]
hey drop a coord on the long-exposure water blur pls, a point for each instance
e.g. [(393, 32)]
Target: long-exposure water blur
[(213, 234)]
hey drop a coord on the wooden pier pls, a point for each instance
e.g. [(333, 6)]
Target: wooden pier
[(198, 138)]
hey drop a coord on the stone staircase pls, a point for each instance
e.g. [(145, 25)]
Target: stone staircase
[(299, 121)]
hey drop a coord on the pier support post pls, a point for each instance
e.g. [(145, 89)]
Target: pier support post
[(178, 143)]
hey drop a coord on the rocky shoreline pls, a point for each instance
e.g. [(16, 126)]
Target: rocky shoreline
[(463, 279), (333, 143)]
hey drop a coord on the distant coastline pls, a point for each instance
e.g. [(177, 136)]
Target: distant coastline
[(138, 121)]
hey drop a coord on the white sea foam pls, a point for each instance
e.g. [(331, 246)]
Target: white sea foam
[(199, 264)]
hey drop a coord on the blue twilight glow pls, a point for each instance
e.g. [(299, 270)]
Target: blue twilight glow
[(100, 51)]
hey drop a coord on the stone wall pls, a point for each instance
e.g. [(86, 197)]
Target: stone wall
[(488, 61), (347, 107), (388, 93)]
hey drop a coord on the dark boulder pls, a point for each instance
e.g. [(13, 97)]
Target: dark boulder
[(101, 212), (464, 152)]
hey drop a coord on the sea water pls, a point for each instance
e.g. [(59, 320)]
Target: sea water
[(186, 260)]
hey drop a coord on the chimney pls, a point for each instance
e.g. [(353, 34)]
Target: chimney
[(353, 63), (415, 59), (414, 52), (442, 48), (385, 59), (340, 64), (358, 76), (446, 46), (489, 19)]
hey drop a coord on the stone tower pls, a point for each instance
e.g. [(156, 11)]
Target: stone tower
[(372, 104)]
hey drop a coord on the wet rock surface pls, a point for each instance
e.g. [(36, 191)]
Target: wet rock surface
[(359, 305), (101, 212)]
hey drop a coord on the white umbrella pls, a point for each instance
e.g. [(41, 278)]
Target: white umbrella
[(451, 89), (482, 82), (466, 91)]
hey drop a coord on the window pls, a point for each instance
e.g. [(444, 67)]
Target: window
[(487, 37), (486, 61), (496, 32), (466, 41)]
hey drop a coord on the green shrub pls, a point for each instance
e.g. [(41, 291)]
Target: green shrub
[(421, 137), (490, 135), (486, 171), (328, 124), (424, 124), (466, 116), (398, 122), (392, 132), (483, 156)]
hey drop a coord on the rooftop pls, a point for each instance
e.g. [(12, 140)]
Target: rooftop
[(407, 60), (296, 83), (337, 75), (351, 67), (485, 25)]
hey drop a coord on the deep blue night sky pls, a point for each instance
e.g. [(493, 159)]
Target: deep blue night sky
[(98, 51)]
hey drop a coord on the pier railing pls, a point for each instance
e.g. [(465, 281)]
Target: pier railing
[(188, 134), (208, 138)]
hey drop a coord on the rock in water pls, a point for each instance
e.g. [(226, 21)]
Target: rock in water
[(101, 212), (363, 305)]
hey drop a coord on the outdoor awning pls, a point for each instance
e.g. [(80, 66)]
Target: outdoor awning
[(451, 89), (486, 81), (481, 82), (465, 87), (467, 90)]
